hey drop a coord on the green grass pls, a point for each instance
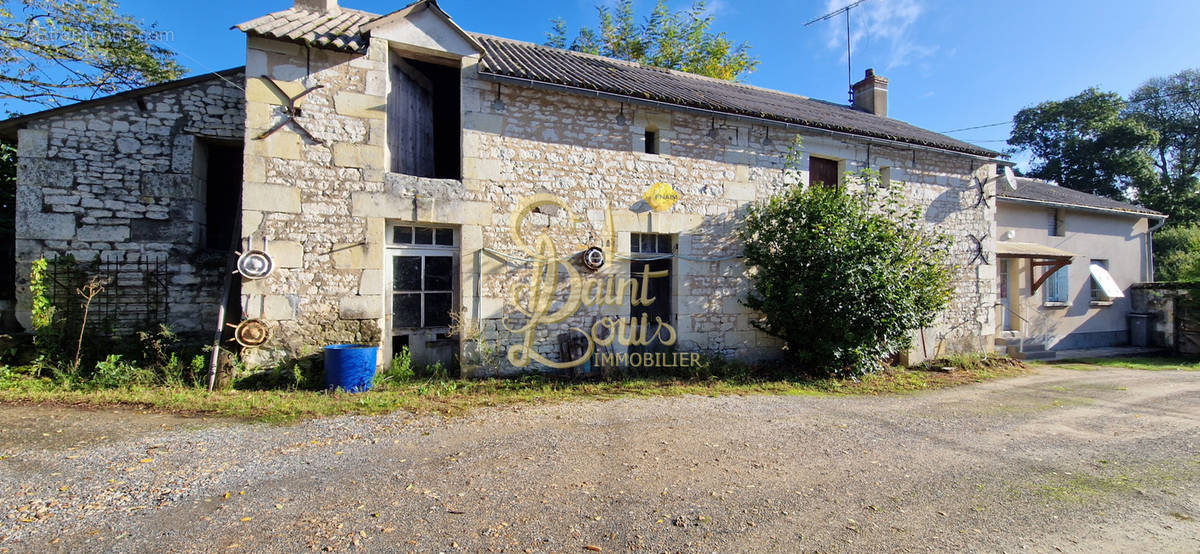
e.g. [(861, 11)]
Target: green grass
[(454, 396), (1148, 363)]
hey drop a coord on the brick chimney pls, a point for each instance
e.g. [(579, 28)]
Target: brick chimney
[(870, 94), (316, 5)]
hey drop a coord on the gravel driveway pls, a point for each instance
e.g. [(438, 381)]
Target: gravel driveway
[(1060, 460)]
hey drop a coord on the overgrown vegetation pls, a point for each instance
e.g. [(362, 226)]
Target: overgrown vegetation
[(1177, 253), (157, 369), (844, 274), (434, 395)]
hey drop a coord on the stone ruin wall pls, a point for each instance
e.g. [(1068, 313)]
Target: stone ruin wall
[(116, 181)]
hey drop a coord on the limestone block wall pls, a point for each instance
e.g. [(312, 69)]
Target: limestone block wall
[(118, 181), (325, 207), (589, 151), (327, 286)]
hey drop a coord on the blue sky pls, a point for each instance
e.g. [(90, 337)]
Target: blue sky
[(952, 64)]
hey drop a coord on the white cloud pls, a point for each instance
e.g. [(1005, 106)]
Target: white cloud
[(715, 7), (886, 26)]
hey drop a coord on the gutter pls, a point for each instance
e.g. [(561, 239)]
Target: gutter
[(521, 81)]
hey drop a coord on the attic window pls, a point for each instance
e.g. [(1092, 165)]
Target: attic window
[(651, 141), (424, 124)]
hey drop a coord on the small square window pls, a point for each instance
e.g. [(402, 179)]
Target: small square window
[(444, 237), (402, 235), (651, 141)]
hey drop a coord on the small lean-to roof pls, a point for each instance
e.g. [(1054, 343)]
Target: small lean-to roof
[(1010, 249), (349, 31), (9, 127), (1037, 191)]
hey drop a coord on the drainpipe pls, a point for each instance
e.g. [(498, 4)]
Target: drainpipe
[(1150, 244)]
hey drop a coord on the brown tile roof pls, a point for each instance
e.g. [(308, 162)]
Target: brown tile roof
[(505, 58), (1046, 192)]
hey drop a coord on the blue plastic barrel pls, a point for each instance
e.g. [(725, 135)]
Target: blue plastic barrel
[(350, 367)]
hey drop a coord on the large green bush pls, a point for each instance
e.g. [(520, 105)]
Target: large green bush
[(1177, 253), (843, 275)]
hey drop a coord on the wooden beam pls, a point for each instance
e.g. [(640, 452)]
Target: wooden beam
[(1052, 266)]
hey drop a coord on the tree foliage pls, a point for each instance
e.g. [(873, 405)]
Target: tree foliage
[(681, 40), (61, 51), (844, 277), (1085, 143), (1171, 107), (1177, 253)]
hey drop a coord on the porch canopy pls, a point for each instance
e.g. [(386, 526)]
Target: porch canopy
[(1040, 255)]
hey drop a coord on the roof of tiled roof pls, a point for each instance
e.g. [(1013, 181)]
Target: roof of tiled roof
[(338, 30), (506, 58), (1046, 192)]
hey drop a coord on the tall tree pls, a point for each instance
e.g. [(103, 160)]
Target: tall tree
[(1171, 107), (61, 51), (681, 40), (1084, 143)]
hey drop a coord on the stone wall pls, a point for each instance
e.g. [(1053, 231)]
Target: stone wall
[(117, 181), (325, 206)]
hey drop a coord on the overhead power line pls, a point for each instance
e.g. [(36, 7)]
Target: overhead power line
[(1009, 122)]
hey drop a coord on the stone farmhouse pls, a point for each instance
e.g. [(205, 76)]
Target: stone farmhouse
[(398, 172)]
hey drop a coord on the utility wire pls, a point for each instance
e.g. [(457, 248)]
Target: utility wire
[(1009, 122)]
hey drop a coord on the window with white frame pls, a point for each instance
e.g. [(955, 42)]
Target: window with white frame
[(1098, 294), (1058, 286), (424, 265)]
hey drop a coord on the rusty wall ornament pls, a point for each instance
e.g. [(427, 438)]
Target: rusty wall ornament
[(291, 111), (983, 196), (251, 333), (980, 253)]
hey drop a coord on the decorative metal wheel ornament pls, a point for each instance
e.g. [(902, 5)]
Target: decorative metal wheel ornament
[(251, 333), (255, 264), (593, 258)]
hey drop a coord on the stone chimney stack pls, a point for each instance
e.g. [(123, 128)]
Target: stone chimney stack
[(316, 5), (870, 94)]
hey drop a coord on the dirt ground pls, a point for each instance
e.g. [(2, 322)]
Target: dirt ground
[(1056, 461)]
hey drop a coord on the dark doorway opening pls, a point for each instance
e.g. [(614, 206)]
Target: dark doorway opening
[(223, 189), (424, 122)]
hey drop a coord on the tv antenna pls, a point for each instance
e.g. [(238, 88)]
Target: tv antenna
[(831, 15)]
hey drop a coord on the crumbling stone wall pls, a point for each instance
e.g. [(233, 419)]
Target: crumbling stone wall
[(117, 181)]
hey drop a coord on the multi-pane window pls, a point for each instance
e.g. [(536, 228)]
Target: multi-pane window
[(650, 243), (1057, 286), (440, 236), (423, 270)]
